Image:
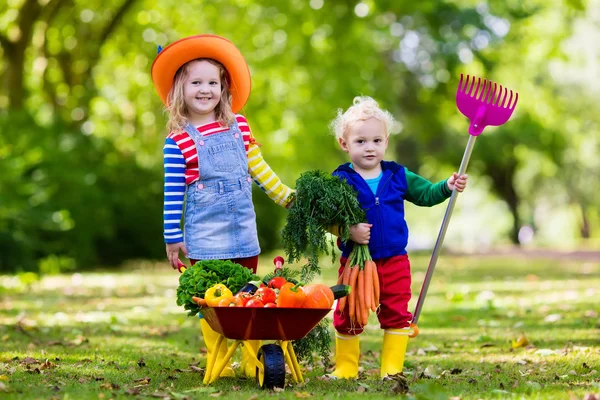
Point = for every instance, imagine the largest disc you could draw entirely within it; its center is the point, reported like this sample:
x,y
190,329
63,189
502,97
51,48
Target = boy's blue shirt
x,y
385,207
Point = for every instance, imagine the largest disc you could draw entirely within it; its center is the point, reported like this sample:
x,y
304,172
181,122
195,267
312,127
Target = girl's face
x,y
366,143
202,92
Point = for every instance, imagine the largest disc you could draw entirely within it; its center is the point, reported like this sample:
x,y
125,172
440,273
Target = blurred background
x,y
82,128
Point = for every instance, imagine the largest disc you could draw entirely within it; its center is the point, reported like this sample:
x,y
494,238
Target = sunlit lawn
x,y
120,335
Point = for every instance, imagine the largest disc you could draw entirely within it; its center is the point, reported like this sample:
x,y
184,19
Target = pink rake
x,y
485,104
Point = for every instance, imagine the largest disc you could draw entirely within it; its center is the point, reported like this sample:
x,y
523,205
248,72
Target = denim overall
x,y
220,222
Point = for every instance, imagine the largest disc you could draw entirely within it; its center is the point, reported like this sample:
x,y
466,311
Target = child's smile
x,y
202,92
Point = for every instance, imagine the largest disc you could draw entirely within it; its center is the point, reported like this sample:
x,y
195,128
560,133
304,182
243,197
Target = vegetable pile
x,y
322,202
197,279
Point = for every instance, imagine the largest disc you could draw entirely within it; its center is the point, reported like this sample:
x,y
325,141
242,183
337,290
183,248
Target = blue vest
x,y
384,209
220,222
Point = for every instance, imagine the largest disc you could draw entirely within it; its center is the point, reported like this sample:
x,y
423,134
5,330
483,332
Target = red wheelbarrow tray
x,y
241,323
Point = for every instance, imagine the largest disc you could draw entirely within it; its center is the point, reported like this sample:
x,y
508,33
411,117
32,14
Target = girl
x,y
210,158
363,132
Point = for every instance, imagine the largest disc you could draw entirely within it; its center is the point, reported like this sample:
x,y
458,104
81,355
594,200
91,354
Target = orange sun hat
x,y
172,57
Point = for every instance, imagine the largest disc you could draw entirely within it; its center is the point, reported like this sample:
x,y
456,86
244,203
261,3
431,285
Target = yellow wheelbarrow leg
x,y
212,360
292,361
223,362
252,356
288,359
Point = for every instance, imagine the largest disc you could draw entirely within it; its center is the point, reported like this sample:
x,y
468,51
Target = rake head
x,y
484,103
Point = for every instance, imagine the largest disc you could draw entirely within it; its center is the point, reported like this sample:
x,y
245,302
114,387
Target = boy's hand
x,y
173,253
457,182
360,233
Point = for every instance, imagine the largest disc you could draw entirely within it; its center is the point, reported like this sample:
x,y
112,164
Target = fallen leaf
x,y
432,372
143,381
591,396
160,395
218,394
3,387
361,389
522,341
278,389
302,395
196,369
553,318
253,397
545,352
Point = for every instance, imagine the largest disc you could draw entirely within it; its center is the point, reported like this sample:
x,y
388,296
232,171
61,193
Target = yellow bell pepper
x,y
216,293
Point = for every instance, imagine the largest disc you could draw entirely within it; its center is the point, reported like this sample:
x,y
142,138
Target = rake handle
x,y
440,239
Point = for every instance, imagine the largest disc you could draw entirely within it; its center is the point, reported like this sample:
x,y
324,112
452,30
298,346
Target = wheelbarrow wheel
x,y
271,357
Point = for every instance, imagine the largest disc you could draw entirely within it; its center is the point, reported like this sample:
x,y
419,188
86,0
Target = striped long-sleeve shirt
x,y
181,169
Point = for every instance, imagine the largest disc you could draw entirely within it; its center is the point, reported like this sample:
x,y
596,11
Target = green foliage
x,y
317,342
74,71
64,198
196,279
322,201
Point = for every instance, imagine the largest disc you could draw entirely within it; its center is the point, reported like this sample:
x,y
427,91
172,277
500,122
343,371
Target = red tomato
x,y
245,297
270,305
277,282
266,295
255,302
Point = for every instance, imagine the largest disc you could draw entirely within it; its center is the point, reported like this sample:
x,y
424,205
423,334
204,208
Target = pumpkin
x,y
318,296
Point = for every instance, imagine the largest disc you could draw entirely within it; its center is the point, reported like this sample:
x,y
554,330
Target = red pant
x,y
394,282
250,262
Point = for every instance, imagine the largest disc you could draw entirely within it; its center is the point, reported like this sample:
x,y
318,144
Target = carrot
x,y
368,284
353,294
363,315
345,278
376,287
359,299
200,301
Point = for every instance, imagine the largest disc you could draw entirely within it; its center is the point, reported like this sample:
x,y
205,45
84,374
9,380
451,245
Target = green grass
x,y
120,335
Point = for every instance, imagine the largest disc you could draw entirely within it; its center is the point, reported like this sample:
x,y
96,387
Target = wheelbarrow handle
x,y
181,266
278,261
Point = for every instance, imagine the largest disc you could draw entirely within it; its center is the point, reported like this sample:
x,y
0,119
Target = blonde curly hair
x,y
363,108
176,107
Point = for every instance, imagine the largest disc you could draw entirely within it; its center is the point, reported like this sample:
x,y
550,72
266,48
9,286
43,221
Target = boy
x,y
363,132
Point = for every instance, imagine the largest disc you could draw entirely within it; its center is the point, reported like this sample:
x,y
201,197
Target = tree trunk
x,y
502,177
584,228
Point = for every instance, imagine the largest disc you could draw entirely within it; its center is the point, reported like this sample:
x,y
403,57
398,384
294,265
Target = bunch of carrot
x,y
360,273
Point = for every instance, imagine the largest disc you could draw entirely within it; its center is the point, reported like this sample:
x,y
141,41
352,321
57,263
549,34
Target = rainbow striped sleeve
x,y
260,171
174,192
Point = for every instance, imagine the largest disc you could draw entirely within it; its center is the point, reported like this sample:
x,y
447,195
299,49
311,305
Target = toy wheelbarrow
x,y
281,324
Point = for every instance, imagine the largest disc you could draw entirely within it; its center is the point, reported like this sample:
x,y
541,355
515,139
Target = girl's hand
x,y
173,253
360,233
457,182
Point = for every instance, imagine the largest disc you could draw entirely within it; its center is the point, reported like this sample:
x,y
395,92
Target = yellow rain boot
x,y
249,360
347,351
394,348
210,339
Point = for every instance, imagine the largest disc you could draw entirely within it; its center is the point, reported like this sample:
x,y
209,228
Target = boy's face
x,y
366,143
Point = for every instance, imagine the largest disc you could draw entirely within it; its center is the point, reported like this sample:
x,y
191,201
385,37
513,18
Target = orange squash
x,y
318,296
